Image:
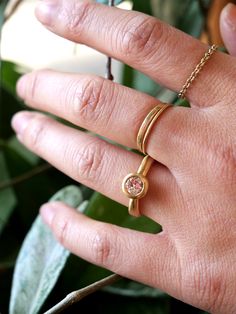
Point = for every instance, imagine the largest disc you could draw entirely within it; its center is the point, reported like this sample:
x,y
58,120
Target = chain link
x,y
196,71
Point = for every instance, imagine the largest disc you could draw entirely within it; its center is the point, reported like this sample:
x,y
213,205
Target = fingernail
x,y
21,86
46,11
47,212
230,15
20,121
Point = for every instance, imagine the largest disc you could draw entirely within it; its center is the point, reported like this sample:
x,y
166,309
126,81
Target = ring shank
x,y
147,125
145,165
134,207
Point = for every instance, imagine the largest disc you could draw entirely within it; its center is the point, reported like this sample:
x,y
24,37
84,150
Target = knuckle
x,y
104,247
33,85
140,36
211,290
88,163
60,226
75,14
218,292
35,131
205,279
88,98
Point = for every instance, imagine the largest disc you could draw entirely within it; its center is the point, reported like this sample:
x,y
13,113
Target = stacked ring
x,y
135,185
148,124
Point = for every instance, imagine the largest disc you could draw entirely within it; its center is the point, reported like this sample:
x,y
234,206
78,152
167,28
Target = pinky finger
x,y
136,255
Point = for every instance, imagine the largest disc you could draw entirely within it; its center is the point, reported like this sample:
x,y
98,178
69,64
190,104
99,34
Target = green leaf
x,y
7,196
143,6
8,106
139,81
40,261
9,103
22,151
182,103
10,75
192,21
106,210
183,14
34,191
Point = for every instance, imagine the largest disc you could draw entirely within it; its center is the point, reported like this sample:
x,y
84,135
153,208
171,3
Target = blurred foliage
x,y
45,258
20,200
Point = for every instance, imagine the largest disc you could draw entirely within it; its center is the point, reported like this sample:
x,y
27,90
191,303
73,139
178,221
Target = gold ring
x,y
197,70
147,125
135,185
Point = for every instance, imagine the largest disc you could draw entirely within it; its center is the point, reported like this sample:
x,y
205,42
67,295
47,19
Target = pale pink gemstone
x,y
134,185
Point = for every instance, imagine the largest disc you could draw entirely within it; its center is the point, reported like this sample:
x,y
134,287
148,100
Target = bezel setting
x,y
140,180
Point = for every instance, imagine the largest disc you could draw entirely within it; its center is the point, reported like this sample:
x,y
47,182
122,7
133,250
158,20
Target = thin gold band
x,y
197,70
147,125
135,185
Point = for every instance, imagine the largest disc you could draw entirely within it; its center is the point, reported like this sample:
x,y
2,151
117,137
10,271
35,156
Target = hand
x,y
192,190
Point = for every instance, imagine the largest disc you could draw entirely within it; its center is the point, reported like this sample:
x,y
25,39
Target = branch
x,y
28,175
109,75
11,9
76,296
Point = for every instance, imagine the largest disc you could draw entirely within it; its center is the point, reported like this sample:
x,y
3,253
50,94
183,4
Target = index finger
x,y
157,49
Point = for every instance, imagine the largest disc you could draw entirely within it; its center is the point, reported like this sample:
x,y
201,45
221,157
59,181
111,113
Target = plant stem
x,y
78,295
205,11
11,8
26,176
109,75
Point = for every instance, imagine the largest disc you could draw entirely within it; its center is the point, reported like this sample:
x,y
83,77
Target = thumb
x,y
228,27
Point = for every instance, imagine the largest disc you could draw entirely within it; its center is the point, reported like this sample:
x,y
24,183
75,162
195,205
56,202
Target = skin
x,y
193,182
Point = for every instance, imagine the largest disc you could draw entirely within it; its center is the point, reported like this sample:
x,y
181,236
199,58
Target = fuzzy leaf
x,y
106,1
40,261
3,5
133,289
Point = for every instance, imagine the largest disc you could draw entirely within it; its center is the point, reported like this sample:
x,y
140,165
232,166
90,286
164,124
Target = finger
x,y
123,251
97,164
228,27
145,43
107,108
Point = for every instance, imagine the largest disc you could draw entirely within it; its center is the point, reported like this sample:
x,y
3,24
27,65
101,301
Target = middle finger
x,y
113,111
97,164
